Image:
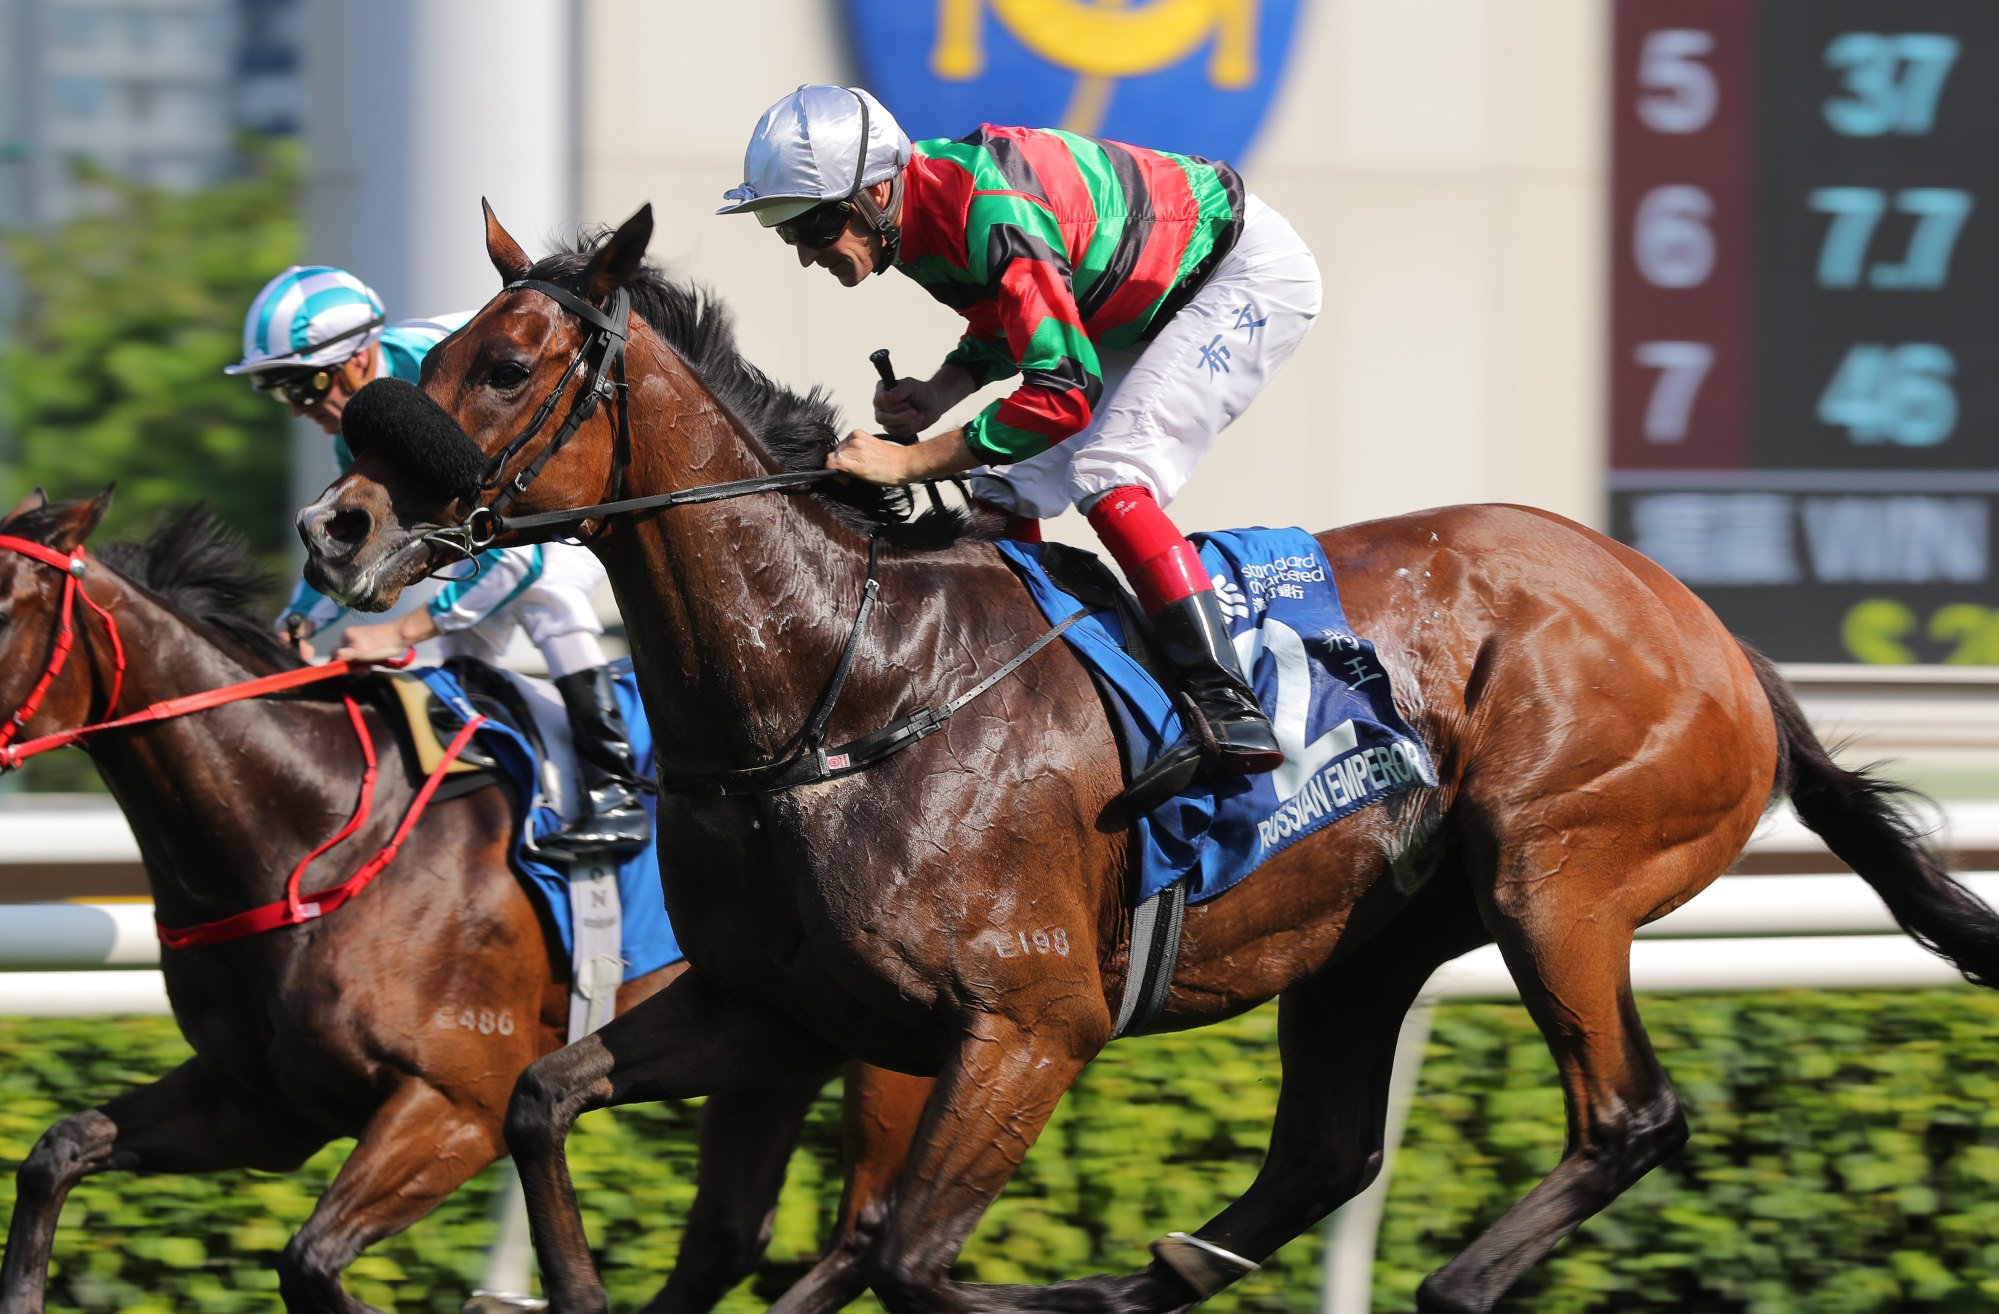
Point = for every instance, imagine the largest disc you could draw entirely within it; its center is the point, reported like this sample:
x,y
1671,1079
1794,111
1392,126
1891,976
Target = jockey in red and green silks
x,y
313,338
1143,298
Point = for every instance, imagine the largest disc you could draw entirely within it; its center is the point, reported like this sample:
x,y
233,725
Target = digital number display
x,y
1804,371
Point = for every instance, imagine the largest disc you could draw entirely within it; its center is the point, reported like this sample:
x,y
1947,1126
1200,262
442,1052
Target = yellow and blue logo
x,y
1194,76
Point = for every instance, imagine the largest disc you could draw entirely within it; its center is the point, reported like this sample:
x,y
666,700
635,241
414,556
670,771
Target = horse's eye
x,y
507,375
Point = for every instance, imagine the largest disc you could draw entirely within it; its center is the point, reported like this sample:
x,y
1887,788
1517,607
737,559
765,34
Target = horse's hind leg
x,y
689,1039
1337,1033
746,1141
1570,954
181,1123
882,1112
417,1148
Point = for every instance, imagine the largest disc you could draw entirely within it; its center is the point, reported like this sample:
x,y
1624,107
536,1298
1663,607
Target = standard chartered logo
x,y
1105,40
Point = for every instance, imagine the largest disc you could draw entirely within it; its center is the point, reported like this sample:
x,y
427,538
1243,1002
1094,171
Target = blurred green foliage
x,y
1845,1161
114,371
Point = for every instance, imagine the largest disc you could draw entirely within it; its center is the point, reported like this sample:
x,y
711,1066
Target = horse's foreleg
x,y
883,1110
990,1103
747,1138
689,1039
417,1148
1573,967
180,1123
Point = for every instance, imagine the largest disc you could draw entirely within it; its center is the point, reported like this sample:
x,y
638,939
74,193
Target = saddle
x,y
1084,576
430,724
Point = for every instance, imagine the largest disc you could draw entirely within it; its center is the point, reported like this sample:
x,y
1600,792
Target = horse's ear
x,y
34,501
502,249
614,263
75,522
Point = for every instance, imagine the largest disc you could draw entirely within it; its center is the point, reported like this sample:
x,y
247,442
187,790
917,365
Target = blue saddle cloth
x,y
648,940
1325,690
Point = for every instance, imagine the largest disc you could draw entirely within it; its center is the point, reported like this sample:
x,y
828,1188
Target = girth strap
x,y
1155,952
816,763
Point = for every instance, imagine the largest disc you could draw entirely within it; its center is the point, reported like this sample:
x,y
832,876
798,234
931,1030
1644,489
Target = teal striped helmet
x,y
307,316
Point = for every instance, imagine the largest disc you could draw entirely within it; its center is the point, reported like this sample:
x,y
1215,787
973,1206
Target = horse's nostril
x,y
335,534
349,527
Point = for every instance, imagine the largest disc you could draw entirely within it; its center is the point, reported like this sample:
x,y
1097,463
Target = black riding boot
x,y
614,819
1232,733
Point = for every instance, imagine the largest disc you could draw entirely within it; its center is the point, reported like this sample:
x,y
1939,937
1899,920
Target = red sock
x,y
1161,564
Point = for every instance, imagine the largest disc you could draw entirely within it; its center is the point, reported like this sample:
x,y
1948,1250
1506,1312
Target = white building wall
x,y
1444,158
416,109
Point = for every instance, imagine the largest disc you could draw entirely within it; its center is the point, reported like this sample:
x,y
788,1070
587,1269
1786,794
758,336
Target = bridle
x,y
813,760
73,566
606,342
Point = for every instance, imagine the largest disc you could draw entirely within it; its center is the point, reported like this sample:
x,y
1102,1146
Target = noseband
x,y
73,567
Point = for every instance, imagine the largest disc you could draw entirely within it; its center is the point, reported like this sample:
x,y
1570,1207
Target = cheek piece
x,y
399,421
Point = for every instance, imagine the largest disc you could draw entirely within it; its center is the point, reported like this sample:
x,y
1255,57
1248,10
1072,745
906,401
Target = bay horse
x,y
351,1025
1604,749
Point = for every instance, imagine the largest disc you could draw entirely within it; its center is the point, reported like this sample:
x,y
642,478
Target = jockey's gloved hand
x,y
905,407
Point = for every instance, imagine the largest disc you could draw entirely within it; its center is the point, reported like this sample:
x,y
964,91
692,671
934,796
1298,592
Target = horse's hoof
x,y
497,1302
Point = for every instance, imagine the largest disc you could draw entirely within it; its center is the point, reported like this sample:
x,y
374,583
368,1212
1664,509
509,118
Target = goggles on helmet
x,y
304,389
817,227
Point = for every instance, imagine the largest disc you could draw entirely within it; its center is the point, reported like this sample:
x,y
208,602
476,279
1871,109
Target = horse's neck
x,y
224,801
736,613
738,610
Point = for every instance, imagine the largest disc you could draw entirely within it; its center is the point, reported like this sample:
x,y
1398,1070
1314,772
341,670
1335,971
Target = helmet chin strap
x,y
883,222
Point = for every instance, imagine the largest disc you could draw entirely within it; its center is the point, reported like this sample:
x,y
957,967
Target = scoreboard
x,y
1804,371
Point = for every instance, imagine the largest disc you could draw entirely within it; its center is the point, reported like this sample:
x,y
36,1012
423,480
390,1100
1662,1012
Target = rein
x,y
813,761
294,907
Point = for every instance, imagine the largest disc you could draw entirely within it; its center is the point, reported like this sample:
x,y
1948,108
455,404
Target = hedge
x,y
1844,1161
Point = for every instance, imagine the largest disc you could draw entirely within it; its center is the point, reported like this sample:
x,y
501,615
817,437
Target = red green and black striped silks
x,y
1053,245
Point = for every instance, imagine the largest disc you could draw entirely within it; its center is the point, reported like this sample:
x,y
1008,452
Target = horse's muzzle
x,y
333,535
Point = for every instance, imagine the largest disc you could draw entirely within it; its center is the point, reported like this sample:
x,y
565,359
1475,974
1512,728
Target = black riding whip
x,y
887,373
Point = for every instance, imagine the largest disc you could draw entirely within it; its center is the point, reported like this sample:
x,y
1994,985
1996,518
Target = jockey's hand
x,y
878,461
908,406
296,625
387,641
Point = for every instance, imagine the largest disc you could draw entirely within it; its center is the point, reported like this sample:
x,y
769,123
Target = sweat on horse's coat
x,y
1603,748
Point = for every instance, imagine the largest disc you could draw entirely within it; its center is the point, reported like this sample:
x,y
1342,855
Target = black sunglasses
x,y
819,226
304,389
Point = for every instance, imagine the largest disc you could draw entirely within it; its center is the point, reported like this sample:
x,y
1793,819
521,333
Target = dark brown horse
x,y
352,1025
1605,748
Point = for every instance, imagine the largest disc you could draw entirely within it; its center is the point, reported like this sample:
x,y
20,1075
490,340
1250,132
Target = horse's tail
x,y
1871,825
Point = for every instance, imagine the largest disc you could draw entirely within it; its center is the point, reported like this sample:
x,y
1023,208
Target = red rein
x,y
294,907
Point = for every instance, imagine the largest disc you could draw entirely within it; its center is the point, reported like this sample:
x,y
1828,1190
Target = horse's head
x,y
517,413
42,572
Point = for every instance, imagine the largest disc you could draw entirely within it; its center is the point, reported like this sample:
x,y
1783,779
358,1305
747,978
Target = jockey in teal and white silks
x,y
313,338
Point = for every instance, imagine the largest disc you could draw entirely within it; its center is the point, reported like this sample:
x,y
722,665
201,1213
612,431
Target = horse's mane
x,y
203,568
797,430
